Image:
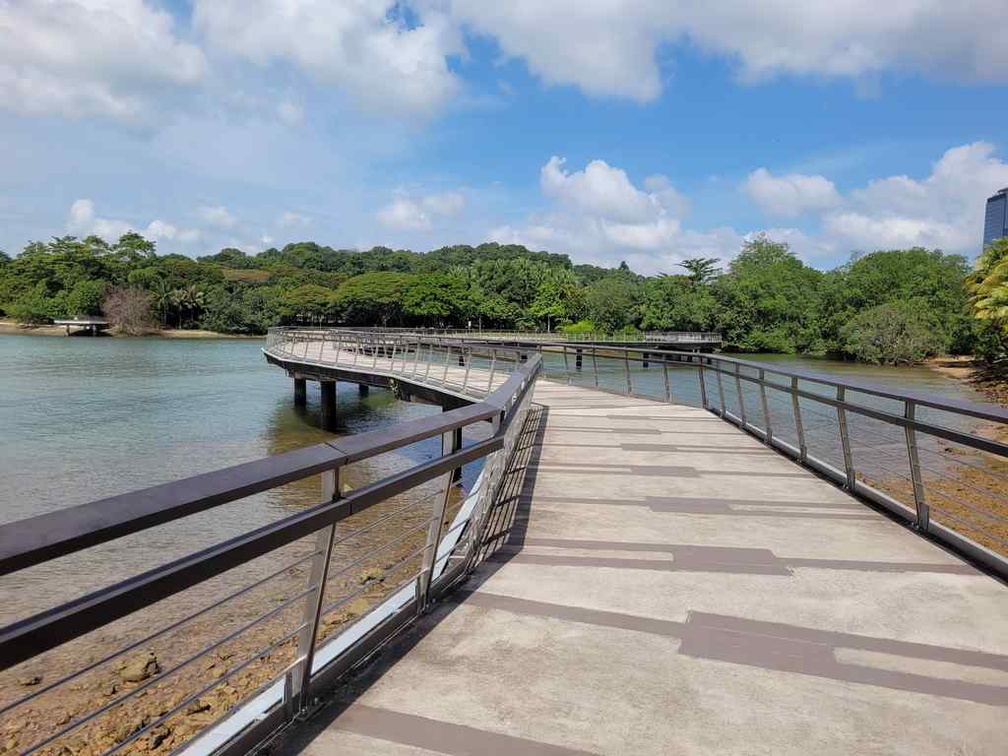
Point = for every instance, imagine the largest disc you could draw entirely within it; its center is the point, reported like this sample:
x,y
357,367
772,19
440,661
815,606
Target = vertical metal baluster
x,y
668,385
493,367
297,683
339,346
741,398
468,366
374,348
595,366
720,390
440,504
447,357
845,440
923,511
430,359
766,408
703,385
626,370
567,374
799,428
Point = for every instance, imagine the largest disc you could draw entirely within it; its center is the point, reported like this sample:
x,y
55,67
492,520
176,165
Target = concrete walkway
x,y
671,586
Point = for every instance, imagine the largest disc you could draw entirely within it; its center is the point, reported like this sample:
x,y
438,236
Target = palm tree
x,y
161,298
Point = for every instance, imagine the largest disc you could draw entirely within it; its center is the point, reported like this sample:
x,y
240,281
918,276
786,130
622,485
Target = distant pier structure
x,y
92,324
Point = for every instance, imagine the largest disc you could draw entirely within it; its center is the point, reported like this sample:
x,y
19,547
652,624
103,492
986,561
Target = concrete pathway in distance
x,y
671,586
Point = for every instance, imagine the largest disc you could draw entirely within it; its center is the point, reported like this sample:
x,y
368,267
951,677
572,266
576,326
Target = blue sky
x,y
639,130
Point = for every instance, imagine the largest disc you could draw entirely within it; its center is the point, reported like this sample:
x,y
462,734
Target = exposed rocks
x,y
30,681
140,669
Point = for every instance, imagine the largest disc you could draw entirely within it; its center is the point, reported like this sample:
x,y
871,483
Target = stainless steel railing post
x,y
668,386
845,440
799,427
703,385
741,399
297,682
595,366
626,370
768,426
923,511
720,390
493,367
449,444
567,374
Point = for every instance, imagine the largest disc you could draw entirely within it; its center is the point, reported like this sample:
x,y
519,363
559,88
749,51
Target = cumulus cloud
x,y
611,47
91,57
943,210
217,215
599,214
408,213
364,47
790,195
82,221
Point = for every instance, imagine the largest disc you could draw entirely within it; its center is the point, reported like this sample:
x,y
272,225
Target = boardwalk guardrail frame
x,y
935,463
446,555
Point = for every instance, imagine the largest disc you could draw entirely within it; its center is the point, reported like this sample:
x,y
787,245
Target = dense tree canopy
x,y
888,306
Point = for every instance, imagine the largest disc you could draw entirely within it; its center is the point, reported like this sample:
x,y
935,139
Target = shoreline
x,y
10,327
969,370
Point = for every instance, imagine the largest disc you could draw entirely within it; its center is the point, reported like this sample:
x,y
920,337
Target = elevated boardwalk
x,y
671,585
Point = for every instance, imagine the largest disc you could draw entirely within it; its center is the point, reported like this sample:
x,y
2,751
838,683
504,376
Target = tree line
x,y
894,306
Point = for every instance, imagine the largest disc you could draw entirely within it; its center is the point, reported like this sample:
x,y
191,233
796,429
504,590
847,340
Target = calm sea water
x,y
82,418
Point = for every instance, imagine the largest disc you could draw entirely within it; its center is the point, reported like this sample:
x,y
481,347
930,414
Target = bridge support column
x,y
645,360
328,389
362,389
300,392
577,359
523,357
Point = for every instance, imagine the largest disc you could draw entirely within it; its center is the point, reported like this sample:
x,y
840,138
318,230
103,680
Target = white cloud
x,y
944,210
91,57
612,47
364,47
598,213
82,221
408,213
790,195
288,219
217,215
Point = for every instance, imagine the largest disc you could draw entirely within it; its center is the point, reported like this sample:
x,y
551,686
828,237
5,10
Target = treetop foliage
x,y
888,306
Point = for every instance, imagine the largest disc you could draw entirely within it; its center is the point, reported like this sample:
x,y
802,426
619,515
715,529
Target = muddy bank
x,y
13,327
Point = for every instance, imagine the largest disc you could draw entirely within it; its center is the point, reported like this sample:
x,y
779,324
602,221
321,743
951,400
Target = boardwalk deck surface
x,y
671,586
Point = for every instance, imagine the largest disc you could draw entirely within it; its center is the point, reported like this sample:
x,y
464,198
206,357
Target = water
x,y
82,419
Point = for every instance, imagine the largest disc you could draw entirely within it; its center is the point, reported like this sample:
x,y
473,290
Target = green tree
x,y
86,298
373,298
702,270
895,333
611,304
988,289
309,301
768,300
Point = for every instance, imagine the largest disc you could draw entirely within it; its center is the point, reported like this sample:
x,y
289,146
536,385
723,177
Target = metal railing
x,y
601,337
939,464
322,589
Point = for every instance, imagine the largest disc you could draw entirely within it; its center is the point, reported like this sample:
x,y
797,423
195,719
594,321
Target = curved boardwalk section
x,y
670,585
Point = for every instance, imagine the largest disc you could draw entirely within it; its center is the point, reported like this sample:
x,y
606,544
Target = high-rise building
x,y
996,219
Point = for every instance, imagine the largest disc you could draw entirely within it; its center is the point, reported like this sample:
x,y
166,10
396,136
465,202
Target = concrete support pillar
x,y
362,389
328,390
461,360
577,359
300,392
645,360
523,357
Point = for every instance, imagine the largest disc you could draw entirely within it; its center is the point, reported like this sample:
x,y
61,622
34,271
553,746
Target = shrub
x,y
890,334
